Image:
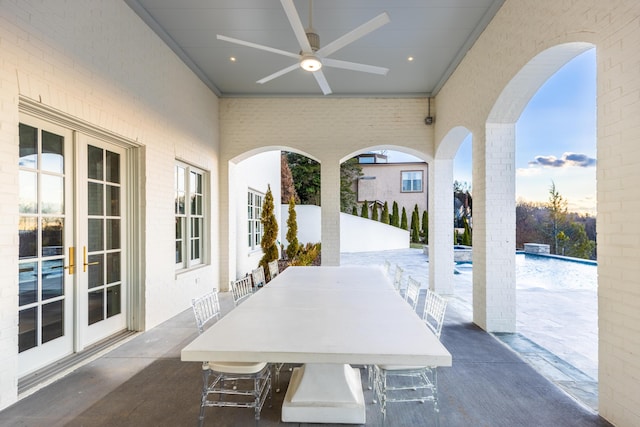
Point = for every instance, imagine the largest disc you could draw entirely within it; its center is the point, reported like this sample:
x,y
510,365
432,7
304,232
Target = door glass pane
x,y
95,199
52,237
95,163
113,267
27,324
113,167
52,320
96,276
28,147
96,242
113,234
52,152
96,306
52,278
113,300
196,204
52,194
28,233
28,201
113,200
28,287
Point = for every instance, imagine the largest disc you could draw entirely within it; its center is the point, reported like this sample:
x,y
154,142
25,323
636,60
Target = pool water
x,y
535,271
557,305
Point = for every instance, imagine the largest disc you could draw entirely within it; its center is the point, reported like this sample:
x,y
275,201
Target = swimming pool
x,y
547,272
556,303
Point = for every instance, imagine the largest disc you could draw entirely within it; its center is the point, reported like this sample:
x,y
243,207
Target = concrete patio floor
x,y
142,382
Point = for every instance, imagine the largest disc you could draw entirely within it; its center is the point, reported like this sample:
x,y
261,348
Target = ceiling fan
x,y
312,57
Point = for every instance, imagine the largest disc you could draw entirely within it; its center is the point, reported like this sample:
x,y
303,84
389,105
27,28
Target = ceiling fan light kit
x,y
310,63
312,57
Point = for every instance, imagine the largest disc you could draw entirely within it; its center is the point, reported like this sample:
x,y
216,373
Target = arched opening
x,y
557,301
250,176
544,316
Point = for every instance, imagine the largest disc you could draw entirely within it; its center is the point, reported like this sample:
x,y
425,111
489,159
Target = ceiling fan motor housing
x,y
314,40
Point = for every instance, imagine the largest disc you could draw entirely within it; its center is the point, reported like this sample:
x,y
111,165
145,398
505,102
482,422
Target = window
x,y
411,181
189,210
254,206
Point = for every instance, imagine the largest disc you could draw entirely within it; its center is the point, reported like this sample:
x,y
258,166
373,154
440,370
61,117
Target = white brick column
x,y
227,244
441,226
330,211
494,283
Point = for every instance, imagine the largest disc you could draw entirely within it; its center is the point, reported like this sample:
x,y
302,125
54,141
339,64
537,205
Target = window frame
x,y
254,219
411,190
190,206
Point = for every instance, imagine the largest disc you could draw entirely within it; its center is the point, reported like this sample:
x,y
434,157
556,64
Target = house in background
x,y
405,183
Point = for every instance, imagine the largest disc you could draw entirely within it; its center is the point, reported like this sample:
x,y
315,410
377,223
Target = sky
x,y
555,140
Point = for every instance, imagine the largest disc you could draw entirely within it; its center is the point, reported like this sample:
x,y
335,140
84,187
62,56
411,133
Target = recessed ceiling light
x,y
410,58
232,59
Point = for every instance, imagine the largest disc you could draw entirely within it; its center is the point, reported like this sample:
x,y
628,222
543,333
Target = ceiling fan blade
x,y
278,73
322,82
336,63
354,35
296,24
258,46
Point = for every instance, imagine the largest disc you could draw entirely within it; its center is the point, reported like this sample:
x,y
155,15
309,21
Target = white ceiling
x,y
437,33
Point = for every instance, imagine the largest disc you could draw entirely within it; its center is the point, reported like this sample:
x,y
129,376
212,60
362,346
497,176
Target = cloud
x,y
567,160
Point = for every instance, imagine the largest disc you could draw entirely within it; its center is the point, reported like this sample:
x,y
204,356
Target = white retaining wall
x,y
356,234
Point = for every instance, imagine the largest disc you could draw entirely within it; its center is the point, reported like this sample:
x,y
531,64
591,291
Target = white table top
x,y
322,315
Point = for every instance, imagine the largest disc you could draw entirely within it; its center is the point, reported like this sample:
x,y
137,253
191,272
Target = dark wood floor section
x,y
488,385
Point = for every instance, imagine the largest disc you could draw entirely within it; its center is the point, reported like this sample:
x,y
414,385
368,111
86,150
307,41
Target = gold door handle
x,y
84,260
72,260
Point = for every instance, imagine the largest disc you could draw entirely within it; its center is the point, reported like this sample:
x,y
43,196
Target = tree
x,y
374,211
415,236
270,230
403,220
466,236
425,227
306,178
395,215
364,213
287,186
557,206
385,214
292,230
350,171
354,210
415,225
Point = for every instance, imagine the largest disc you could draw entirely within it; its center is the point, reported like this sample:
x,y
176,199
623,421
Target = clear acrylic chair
x,y
398,383
397,278
257,274
387,266
274,270
412,293
241,290
229,384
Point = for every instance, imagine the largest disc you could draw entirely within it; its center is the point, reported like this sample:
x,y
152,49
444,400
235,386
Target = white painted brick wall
x,y
329,130
521,30
96,61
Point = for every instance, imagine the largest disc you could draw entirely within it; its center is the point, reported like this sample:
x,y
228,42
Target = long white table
x,y
325,318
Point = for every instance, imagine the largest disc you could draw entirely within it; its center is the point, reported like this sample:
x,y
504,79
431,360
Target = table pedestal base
x,y
324,393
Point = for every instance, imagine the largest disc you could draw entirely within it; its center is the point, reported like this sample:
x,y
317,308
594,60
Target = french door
x,y
72,269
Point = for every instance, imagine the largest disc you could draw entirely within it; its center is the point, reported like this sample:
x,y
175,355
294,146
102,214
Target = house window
x,y
190,214
254,214
411,181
